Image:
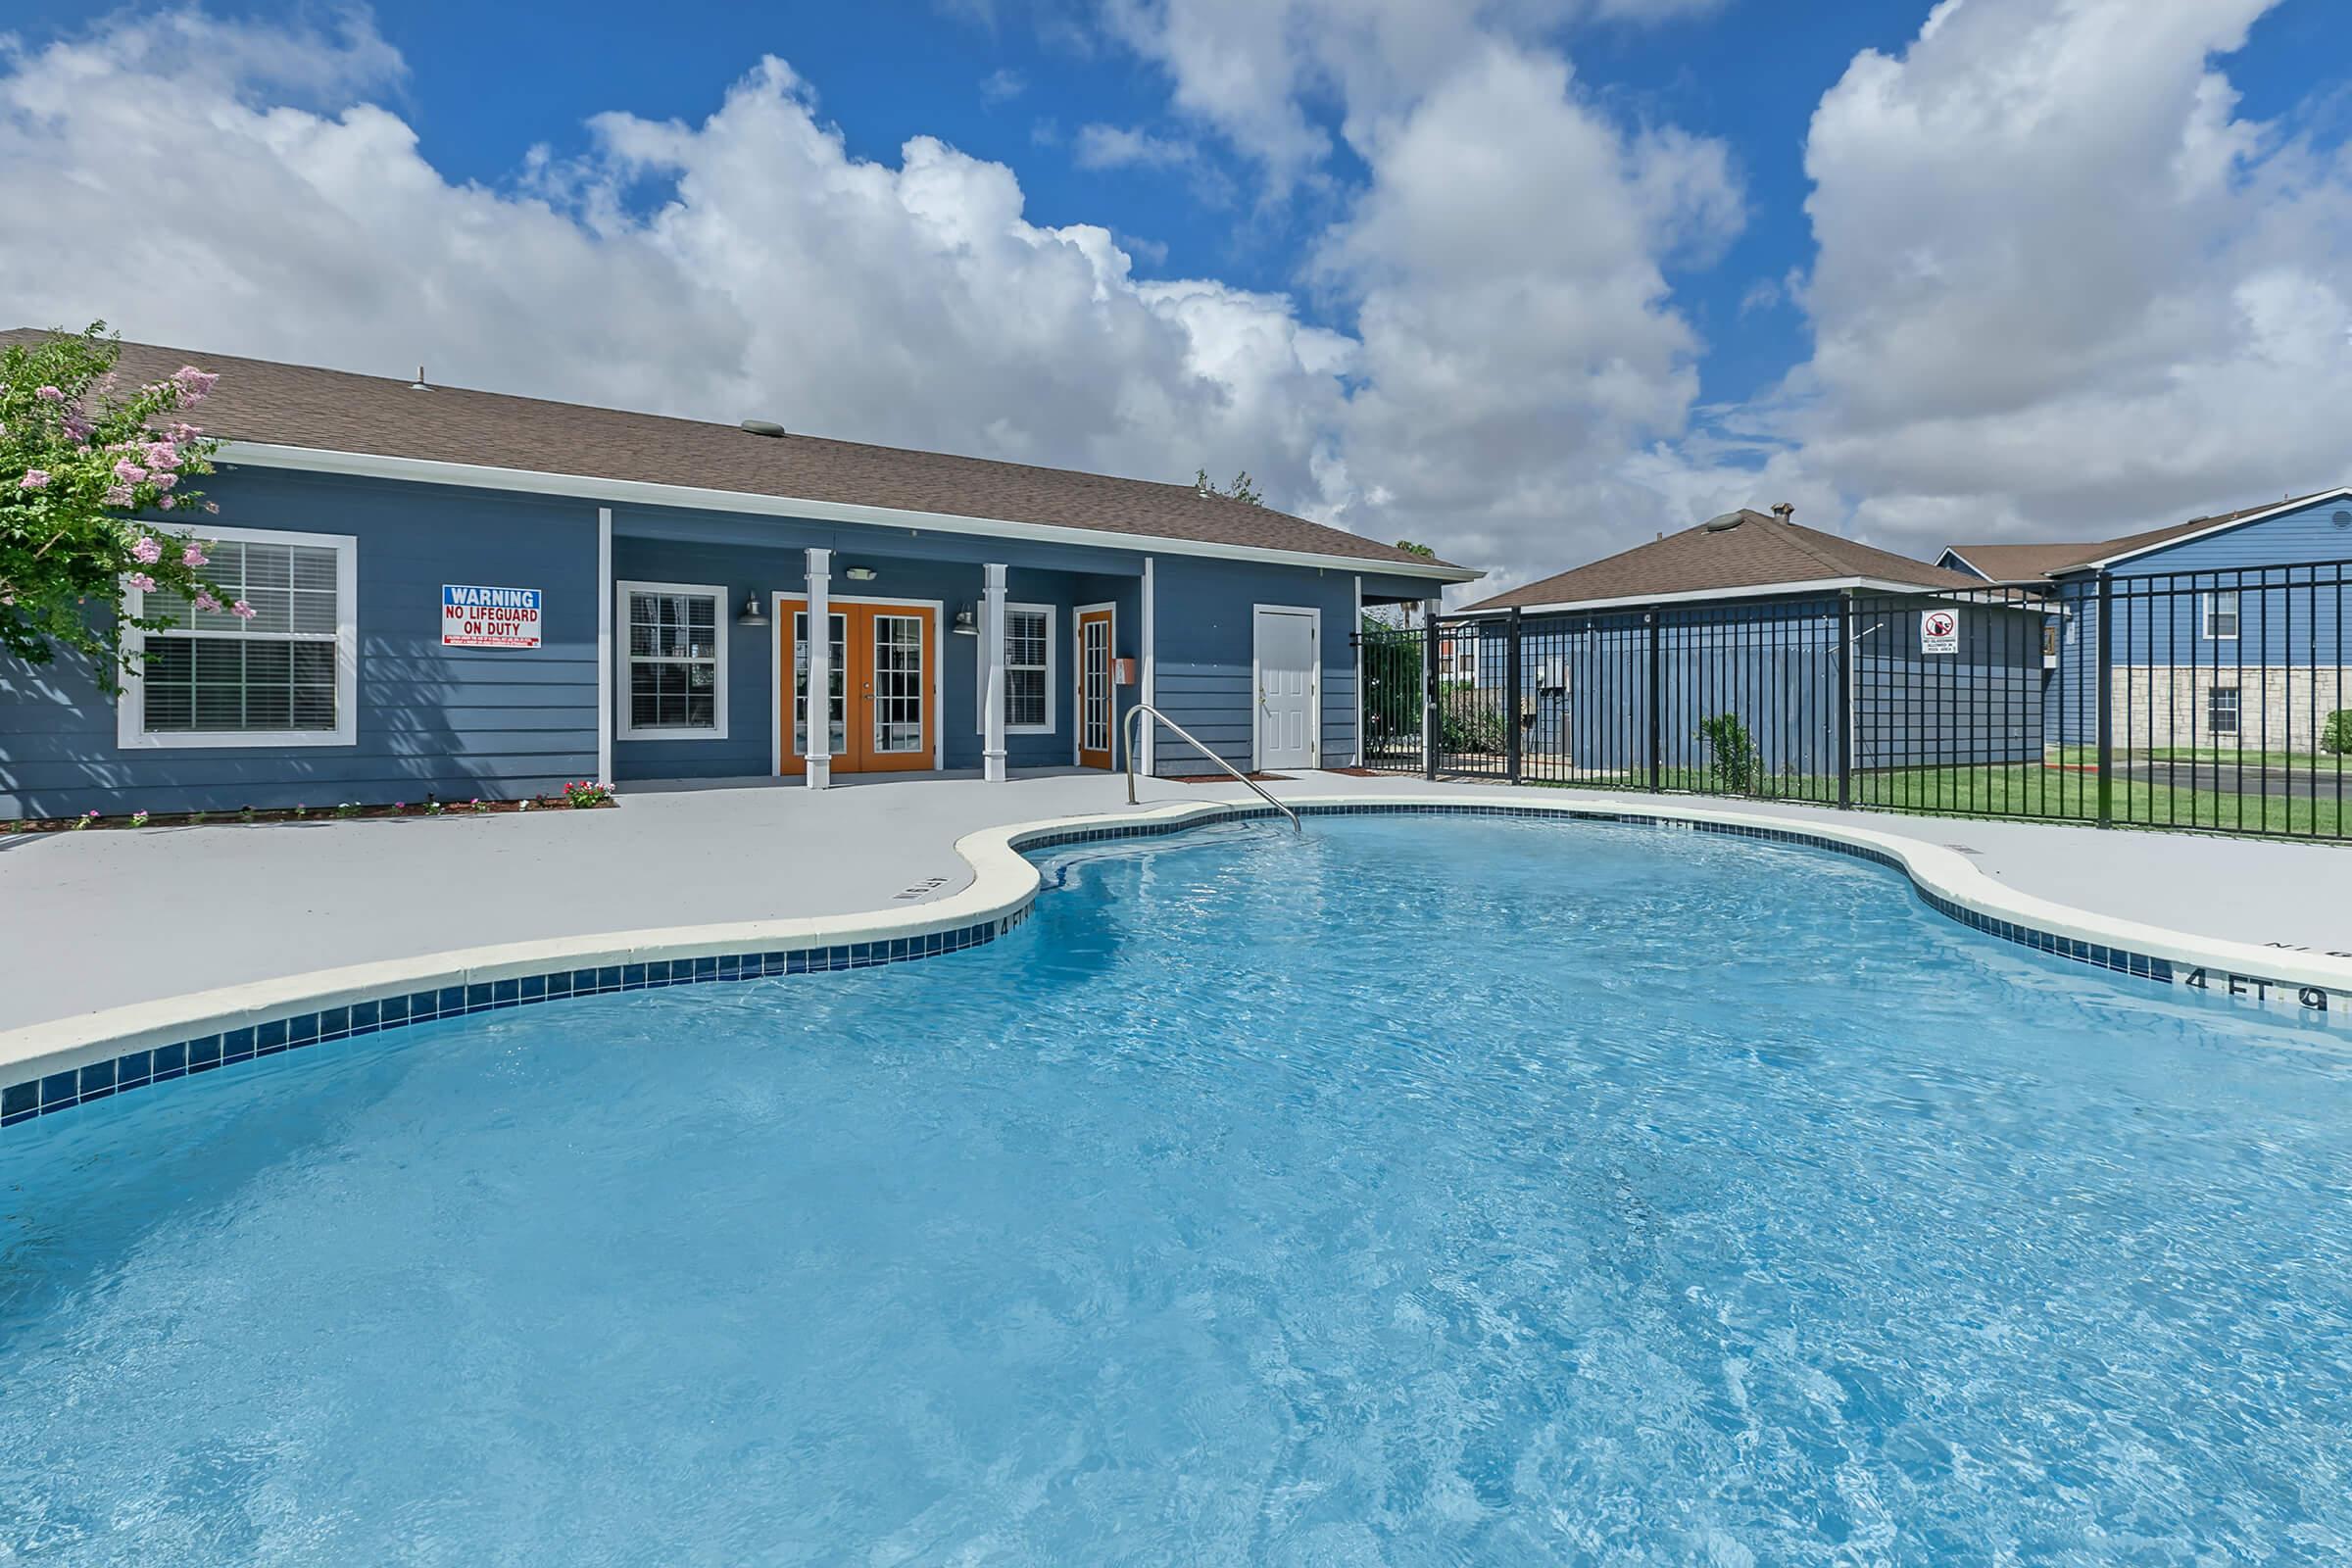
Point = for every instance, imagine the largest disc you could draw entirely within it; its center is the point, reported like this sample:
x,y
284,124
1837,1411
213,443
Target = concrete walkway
x,y
95,921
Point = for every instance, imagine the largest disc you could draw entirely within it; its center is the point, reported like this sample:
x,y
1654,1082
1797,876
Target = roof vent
x,y
1724,523
762,427
419,385
1785,510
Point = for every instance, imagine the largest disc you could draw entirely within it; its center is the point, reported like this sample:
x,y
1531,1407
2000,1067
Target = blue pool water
x,y
1413,1192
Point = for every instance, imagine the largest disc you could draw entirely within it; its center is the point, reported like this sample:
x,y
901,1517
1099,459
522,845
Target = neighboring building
x,y
1747,609
465,594
2229,629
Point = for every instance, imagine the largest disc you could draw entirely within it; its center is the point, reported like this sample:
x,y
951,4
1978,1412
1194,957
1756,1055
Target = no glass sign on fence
x,y
1939,631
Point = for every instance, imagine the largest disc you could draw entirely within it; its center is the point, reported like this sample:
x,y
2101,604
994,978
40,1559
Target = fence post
x,y
1514,669
2106,717
1657,672
1845,699
1431,727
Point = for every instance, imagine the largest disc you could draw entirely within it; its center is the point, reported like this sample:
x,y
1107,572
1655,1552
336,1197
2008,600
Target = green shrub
x,y
1734,765
2336,738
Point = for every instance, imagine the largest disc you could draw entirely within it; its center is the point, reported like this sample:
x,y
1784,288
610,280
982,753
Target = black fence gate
x,y
2212,700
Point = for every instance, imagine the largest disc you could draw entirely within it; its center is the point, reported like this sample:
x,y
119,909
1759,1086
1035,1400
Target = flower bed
x,y
580,797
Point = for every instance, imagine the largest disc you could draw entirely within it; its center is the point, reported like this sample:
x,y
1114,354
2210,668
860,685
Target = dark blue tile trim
x,y
22,1101
153,1065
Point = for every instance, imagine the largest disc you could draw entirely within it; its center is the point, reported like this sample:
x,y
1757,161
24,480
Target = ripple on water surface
x,y
1476,1190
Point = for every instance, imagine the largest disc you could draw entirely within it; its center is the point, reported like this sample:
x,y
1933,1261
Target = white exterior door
x,y
1287,721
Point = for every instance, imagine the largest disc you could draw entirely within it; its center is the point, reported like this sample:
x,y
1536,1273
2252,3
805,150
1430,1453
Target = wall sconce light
x,y
862,573
752,615
967,622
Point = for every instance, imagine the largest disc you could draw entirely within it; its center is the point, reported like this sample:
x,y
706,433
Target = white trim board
x,y
721,633
1315,684
778,627
2093,562
130,708
1770,590
1052,673
429,470
1111,650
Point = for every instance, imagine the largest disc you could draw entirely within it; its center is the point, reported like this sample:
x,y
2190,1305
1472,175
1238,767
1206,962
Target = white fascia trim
x,y
2320,500
720,630
130,708
1774,590
430,471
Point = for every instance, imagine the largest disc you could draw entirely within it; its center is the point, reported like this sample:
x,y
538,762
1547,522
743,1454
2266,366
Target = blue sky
x,y
1668,403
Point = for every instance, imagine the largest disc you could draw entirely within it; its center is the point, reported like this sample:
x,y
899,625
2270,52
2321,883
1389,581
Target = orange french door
x,y
1097,712
880,717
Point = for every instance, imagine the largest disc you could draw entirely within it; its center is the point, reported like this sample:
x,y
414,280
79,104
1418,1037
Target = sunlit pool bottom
x,y
1412,1191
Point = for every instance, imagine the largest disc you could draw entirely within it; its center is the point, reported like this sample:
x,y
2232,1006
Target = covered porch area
x,y
942,653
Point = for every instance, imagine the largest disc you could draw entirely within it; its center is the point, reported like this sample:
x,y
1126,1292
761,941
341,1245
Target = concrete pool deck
x,y
99,920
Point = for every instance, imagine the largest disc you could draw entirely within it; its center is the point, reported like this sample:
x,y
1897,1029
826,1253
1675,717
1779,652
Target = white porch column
x,y
604,644
821,668
1147,689
991,675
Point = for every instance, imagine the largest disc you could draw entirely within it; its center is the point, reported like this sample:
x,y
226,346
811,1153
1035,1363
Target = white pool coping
x,y
2315,987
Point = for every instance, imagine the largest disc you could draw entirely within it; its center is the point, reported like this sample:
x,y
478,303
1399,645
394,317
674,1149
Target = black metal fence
x,y
2212,699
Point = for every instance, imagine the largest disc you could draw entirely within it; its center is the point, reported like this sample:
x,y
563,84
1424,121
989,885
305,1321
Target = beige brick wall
x,y
2280,708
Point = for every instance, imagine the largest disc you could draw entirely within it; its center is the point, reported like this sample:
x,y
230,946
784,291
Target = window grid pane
x,y
673,660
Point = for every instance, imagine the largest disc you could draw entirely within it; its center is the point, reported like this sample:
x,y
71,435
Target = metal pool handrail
x,y
1131,733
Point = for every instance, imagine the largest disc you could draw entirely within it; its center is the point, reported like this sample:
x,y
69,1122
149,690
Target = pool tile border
x,y
47,1093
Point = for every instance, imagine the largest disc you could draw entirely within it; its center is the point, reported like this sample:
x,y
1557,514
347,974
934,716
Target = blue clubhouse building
x,y
463,594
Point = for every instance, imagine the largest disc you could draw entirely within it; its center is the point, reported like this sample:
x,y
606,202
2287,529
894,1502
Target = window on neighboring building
x,y
2220,615
1028,672
2221,711
289,676
673,653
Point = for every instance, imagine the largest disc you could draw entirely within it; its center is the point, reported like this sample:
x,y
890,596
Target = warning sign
x,y
489,618
1939,631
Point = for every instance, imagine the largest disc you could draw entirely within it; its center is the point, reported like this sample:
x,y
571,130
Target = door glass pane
x,y
1094,712
897,684
839,684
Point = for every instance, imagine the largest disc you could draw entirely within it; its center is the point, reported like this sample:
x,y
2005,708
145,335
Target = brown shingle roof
x,y
2039,561
2021,562
300,406
1761,552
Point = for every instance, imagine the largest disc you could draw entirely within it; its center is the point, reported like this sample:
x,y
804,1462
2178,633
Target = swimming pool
x,y
1412,1191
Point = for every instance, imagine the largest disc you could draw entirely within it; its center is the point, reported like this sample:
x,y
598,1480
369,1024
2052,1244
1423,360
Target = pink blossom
x,y
128,471
147,552
162,454
164,481
118,495
193,556
241,609
141,581
194,382
167,502
205,600
181,430
35,479
48,394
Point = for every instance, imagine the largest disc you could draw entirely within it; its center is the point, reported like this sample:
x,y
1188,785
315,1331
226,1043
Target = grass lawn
x,y
2300,761
2030,791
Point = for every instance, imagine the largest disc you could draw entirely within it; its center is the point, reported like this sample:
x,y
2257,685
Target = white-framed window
x,y
1029,665
2220,614
673,660
2221,711
290,676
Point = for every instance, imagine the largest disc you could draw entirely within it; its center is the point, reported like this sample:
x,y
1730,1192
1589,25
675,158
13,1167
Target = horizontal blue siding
x,y
1207,627
453,723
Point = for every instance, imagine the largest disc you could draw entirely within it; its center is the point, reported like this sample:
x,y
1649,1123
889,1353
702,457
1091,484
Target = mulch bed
x,y
421,811
1354,772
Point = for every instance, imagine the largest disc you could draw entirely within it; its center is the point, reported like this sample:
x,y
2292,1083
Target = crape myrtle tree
x,y
86,465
